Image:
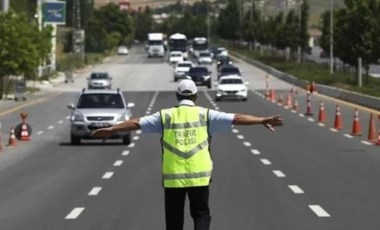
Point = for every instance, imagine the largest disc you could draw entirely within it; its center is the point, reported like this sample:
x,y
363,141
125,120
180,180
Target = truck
x,y
156,45
178,42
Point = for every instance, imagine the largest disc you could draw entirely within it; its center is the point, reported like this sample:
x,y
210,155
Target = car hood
x,y
232,87
101,112
182,69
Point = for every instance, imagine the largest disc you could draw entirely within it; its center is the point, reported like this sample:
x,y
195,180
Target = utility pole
x,y
331,37
5,5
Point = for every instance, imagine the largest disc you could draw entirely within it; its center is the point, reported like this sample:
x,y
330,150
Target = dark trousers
x,y
175,205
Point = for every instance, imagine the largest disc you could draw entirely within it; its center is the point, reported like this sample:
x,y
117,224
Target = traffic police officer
x,y
187,165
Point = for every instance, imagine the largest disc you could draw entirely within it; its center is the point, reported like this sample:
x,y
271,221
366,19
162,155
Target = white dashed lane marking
x,y
255,151
334,130
278,173
107,175
240,136
68,117
265,161
296,189
247,144
125,153
118,163
348,135
235,131
310,119
50,127
319,211
138,132
366,142
40,132
301,115
131,145
321,124
95,191
136,138
75,213
60,122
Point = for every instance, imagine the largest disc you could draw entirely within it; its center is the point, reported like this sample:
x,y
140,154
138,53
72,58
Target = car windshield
x,y
184,65
175,54
205,55
230,71
101,100
199,70
231,81
99,76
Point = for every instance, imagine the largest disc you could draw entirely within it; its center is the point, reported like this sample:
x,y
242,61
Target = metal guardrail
x,y
357,98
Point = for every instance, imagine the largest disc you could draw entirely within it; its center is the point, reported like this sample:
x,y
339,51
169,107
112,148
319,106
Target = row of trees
x,y
23,47
356,33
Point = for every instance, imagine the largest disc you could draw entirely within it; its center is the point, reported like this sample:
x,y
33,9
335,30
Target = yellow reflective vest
x,y
185,144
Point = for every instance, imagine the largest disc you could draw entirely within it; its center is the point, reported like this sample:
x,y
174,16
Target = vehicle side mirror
x,y
71,106
130,105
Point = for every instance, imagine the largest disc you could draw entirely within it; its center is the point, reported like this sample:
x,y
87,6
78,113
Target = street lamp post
x,y
331,37
5,5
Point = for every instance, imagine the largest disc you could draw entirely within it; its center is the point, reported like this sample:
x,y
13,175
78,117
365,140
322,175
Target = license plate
x,y
99,124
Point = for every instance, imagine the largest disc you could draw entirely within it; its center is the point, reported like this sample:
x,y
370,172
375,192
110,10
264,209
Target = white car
x,y
122,50
205,57
181,69
231,87
174,57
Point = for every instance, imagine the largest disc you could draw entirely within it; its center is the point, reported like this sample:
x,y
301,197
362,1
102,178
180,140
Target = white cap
x,y
187,87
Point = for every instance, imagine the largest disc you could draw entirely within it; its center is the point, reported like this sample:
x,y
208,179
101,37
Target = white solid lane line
x,y
118,163
255,151
40,132
296,189
107,175
278,173
319,211
75,213
125,153
246,143
265,161
95,191
50,127
235,130
136,138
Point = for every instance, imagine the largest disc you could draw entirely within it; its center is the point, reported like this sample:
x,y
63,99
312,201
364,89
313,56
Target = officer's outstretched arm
x,y
126,126
268,122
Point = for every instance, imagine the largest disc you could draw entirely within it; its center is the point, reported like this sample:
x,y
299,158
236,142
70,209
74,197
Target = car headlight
x,y
206,77
242,90
77,116
122,117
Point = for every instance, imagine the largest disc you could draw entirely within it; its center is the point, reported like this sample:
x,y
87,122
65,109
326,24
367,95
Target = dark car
x,y
223,60
226,70
200,75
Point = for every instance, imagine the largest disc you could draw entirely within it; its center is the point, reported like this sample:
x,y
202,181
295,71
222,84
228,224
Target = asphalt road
x,y
303,176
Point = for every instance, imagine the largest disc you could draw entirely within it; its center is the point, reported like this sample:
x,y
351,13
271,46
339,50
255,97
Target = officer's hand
x,y
104,133
270,122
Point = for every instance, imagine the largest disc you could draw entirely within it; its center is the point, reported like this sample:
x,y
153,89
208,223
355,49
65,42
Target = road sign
x,y
54,12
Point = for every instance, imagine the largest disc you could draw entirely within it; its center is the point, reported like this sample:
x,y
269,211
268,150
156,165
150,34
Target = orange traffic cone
x,y
289,101
12,139
279,101
372,129
308,102
24,133
338,123
313,87
322,113
272,95
356,126
295,105
378,139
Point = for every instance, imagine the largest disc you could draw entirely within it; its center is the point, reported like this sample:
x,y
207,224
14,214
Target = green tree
x,y
22,46
229,25
143,23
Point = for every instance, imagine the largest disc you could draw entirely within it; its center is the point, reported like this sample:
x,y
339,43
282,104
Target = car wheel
x,y
75,140
175,79
208,85
127,139
244,99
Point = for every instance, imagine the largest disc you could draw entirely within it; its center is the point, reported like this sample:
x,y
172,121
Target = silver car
x,y
99,80
96,109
